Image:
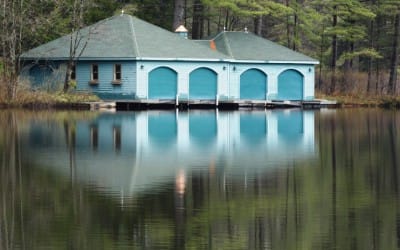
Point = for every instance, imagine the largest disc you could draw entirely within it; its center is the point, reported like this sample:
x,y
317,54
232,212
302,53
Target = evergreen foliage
x,y
347,36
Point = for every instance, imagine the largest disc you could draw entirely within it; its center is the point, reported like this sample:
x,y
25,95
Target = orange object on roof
x,y
212,45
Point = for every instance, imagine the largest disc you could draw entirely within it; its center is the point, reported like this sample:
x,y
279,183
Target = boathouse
x,y
124,57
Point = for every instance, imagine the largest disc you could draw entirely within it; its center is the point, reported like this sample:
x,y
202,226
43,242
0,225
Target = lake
x,y
200,179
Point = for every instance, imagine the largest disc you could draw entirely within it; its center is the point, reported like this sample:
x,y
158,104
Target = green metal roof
x,y
125,37
249,47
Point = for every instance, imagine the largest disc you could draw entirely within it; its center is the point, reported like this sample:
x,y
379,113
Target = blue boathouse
x,y
124,57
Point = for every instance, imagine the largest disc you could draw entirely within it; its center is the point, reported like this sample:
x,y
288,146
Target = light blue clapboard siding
x,y
105,87
194,80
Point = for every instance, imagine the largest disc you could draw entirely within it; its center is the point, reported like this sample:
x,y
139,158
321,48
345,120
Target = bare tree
x,y
78,40
12,23
394,62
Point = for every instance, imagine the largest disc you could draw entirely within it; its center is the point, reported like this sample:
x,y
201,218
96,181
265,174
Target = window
x,y
95,72
117,72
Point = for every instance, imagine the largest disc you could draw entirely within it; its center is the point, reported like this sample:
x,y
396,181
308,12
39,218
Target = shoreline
x,y
75,101
103,105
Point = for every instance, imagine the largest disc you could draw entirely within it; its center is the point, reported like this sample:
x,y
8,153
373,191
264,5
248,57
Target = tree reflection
x,y
11,209
347,199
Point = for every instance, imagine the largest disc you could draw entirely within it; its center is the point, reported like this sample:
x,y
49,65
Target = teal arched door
x,y
290,85
253,85
162,83
202,84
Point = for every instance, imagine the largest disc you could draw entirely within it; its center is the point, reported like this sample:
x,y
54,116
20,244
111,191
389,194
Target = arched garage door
x,y
202,84
253,85
290,85
162,83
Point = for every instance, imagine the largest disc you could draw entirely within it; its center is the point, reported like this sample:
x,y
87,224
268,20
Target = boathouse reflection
x,y
133,152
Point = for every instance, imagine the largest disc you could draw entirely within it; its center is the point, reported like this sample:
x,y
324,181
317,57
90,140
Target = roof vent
x,y
182,31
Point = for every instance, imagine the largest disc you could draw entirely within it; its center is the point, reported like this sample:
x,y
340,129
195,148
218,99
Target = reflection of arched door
x,y
253,85
203,84
290,126
290,85
253,127
203,127
162,128
162,83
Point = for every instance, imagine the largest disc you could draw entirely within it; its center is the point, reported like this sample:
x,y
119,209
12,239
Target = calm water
x,y
200,180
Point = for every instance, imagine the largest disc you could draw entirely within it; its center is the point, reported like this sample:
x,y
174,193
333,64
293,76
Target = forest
x,y
356,41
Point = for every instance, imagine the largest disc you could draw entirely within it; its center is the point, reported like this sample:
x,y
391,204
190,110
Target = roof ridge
x,y
228,46
136,45
219,34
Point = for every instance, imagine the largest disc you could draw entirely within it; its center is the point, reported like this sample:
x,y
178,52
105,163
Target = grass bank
x,y
362,100
26,98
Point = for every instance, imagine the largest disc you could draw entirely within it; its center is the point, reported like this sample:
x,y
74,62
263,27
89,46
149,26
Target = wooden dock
x,y
223,105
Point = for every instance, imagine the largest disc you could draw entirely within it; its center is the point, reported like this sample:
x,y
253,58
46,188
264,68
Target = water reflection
x,y
329,180
131,152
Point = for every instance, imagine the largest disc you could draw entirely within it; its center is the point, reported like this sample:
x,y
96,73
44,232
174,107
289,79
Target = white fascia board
x,y
274,62
79,59
294,62
169,59
181,59
107,59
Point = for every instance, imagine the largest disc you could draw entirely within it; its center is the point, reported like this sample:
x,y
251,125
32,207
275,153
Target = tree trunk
x,y
78,42
334,53
226,19
258,25
370,60
12,21
394,62
197,24
287,26
379,23
179,13
295,29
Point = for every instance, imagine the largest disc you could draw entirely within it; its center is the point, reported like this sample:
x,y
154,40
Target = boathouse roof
x,y
125,37
246,46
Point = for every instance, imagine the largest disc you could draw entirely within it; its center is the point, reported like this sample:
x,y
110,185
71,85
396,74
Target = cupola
x,y
182,31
